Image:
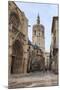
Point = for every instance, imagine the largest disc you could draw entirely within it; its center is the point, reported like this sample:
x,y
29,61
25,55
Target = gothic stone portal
x,y
16,57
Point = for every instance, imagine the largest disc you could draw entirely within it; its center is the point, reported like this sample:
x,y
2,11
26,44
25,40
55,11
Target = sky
x,y
46,13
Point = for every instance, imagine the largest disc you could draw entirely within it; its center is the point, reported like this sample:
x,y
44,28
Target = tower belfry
x,y
38,34
38,19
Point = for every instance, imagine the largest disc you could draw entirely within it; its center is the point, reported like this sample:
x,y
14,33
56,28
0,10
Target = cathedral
x,y
24,56
37,48
18,40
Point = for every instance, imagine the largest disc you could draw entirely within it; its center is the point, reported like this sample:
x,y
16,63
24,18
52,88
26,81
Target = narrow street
x,y
33,45
36,79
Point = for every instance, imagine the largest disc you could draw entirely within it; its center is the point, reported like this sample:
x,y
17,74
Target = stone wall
x,y
18,31
54,45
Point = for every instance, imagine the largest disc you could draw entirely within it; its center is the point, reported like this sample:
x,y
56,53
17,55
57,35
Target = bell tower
x,y
38,34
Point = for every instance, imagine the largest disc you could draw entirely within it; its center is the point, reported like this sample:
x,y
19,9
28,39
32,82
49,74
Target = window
x,y
29,47
34,32
37,51
39,34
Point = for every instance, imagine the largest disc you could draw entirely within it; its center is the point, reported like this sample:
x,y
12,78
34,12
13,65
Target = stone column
x,y
9,55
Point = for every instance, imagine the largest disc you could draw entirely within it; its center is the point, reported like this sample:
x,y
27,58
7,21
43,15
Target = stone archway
x,y
17,57
35,65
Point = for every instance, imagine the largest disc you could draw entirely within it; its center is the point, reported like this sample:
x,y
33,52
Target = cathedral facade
x,y
24,56
18,40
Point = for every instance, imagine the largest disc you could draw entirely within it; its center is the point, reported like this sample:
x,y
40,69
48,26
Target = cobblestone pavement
x,y
36,79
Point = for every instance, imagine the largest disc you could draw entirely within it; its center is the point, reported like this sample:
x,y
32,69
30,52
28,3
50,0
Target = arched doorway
x,y
17,57
35,65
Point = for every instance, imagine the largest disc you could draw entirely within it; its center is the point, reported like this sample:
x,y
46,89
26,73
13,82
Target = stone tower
x,y
38,37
